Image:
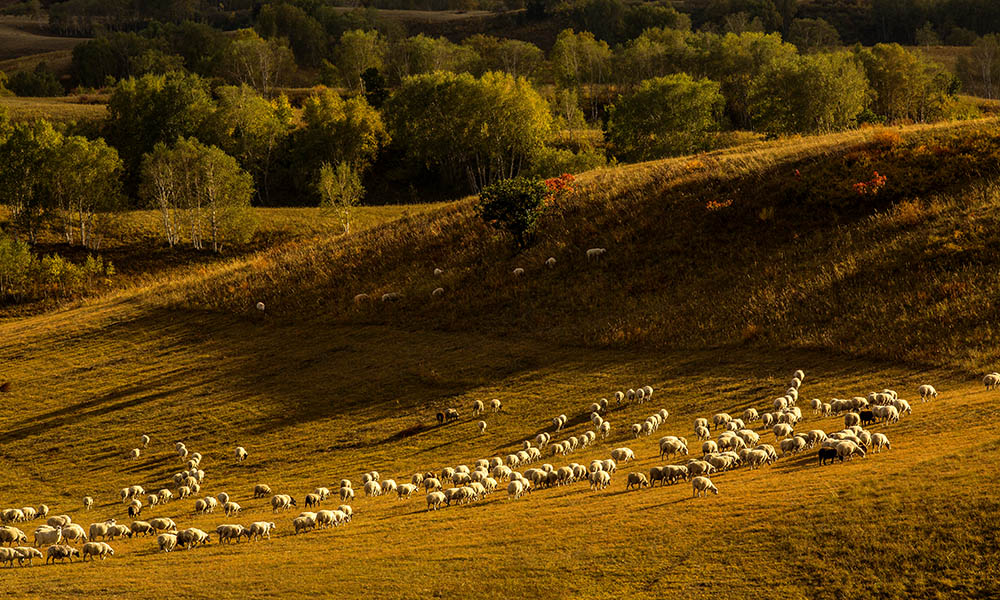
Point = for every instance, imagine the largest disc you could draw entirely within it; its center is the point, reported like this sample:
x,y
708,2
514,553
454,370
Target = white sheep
x,y
595,253
622,455
437,292
435,500
518,272
361,298
926,392
517,488
477,407
261,529
481,426
550,262
192,537
880,441
438,272
605,429
703,485
46,535
495,405
373,489
991,381
241,454
95,549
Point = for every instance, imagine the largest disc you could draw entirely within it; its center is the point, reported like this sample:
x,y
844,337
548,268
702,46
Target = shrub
x,y
514,206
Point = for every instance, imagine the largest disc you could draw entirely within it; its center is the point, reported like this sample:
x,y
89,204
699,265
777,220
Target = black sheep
x,y
867,417
827,454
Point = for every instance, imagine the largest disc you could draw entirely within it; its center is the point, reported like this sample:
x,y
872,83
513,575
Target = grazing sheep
x,y
880,441
373,489
361,298
283,502
477,407
636,479
60,553
228,532
303,524
595,253
517,488
241,454
622,454
481,426
163,524
782,429
991,381
391,297
191,537
261,529
88,502
709,447
827,454
721,419
848,449
437,292
117,531
599,480
231,508
261,490
134,454
404,491
94,549
12,535
45,534
25,553
438,272
166,542
550,262
927,392
434,500
518,272
141,527
703,485
495,405
100,530
604,428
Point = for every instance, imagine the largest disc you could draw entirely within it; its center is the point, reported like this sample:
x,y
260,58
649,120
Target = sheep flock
x,y
697,453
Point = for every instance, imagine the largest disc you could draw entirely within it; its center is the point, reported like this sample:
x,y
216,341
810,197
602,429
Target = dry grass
x,y
316,404
61,108
16,42
57,60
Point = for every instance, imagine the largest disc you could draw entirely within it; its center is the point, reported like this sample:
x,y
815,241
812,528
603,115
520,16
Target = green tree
x,y
905,85
811,34
338,130
41,81
817,92
200,191
340,190
261,64
24,154
155,108
83,187
481,129
980,69
514,206
357,52
736,61
665,116
517,58
252,129
578,60
305,35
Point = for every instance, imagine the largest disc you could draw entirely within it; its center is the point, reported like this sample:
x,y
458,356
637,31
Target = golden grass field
x,y
59,108
318,390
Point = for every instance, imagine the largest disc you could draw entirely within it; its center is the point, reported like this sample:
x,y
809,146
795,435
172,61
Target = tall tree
x,y
261,64
479,129
201,192
665,116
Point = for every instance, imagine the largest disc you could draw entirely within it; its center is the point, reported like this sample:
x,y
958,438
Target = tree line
x,y
201,152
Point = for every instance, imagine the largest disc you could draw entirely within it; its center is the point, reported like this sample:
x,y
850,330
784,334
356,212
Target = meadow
x,y
725,272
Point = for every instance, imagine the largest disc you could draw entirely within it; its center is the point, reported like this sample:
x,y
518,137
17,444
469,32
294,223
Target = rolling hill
x,y
724,273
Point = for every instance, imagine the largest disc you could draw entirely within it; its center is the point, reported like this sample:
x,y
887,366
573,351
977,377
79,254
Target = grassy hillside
x,y
318,389
16,40
768,244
